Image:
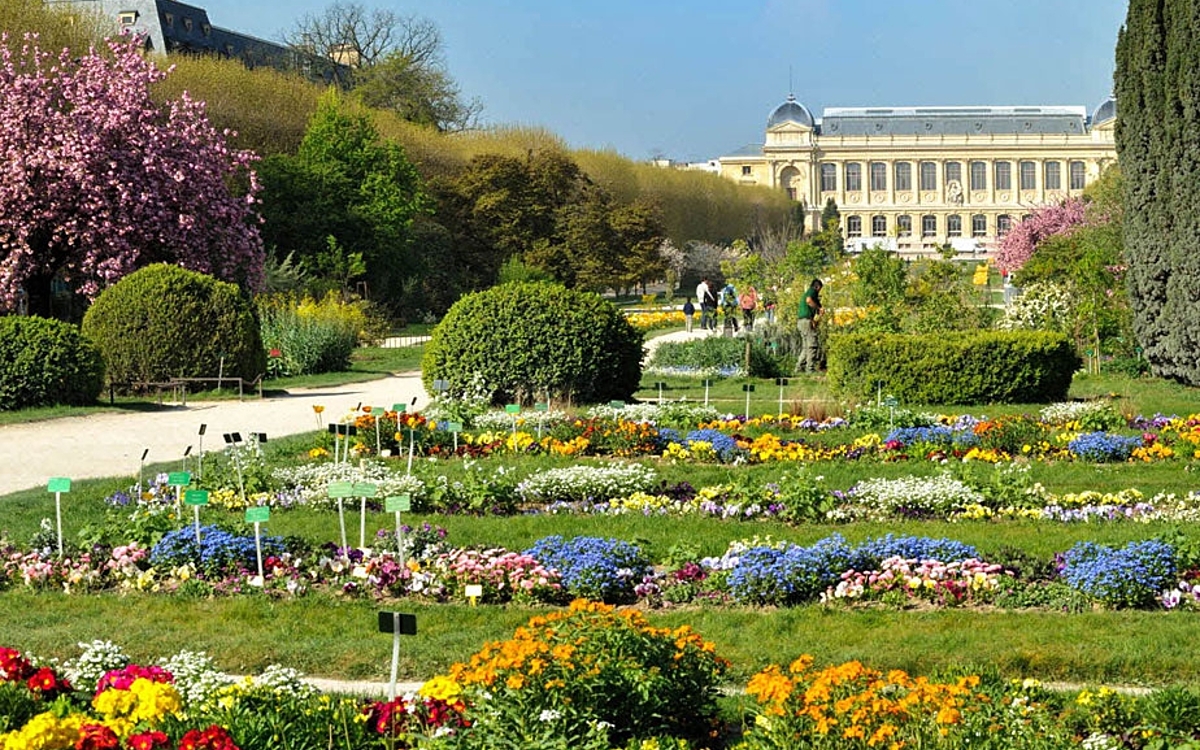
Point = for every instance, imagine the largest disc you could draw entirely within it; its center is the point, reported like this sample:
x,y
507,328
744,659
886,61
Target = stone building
x,y
174,28
914,178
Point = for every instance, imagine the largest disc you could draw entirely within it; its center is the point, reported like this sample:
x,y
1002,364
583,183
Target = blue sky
x,y
693,79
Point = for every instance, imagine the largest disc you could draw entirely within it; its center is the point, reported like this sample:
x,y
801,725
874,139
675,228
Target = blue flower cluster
x,y
869,554
592,567
219,551
794,574
724,445
938,435
1130,576
1103,446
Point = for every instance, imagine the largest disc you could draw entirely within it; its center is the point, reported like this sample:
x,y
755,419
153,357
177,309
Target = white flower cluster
x,y
1043,306
932,496
283,680
670,412
196,677
591,483
97,658
313,480
500,421
1077,411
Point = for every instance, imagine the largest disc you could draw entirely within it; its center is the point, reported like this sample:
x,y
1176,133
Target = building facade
x,y
915,178
174,28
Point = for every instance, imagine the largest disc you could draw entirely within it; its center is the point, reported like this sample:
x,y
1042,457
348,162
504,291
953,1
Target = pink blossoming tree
x,y
1061,219
97,179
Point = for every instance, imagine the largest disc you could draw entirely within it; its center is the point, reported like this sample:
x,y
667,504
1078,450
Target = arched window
x,y
1078,175
979,225
904,225
929,225
878,175
954,225
1053,175
854,226
853,177
879,226
1004,175
1003,225
903,175
828,177
978,175
928,175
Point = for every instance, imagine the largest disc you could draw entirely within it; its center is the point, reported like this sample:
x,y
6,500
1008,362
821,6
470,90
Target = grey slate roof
x,y
858,121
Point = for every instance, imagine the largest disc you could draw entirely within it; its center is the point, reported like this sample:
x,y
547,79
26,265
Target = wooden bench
x,y
179,387
242,384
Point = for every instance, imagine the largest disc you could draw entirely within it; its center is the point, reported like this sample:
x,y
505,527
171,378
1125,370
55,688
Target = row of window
x,y
929,225
952,171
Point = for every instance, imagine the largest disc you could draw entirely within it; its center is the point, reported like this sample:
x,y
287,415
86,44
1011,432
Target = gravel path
x,y
111,444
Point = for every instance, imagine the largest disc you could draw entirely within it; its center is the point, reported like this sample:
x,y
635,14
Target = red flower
x,y
46,682
275,353
13,666
97,737
213,738
148,741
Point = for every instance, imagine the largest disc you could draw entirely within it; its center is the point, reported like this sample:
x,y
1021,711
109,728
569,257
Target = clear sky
x,y
694,79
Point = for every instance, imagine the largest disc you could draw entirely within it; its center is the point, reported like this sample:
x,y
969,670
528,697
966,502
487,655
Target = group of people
x,y
730,304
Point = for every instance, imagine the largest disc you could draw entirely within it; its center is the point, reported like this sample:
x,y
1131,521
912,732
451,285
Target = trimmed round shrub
x,y
164,321
45,362
529,341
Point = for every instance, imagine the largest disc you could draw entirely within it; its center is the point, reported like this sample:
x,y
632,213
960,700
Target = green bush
x,y
164,321
720,354
44,362
955,368
530,341
303,336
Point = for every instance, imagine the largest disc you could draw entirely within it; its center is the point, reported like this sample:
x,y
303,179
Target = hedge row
x,y
985,367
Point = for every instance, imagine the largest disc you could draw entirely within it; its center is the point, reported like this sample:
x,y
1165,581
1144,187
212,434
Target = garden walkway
x,y
111,444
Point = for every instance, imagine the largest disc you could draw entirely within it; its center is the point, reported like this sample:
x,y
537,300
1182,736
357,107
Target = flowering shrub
x,y
588,668
593,568
1130,576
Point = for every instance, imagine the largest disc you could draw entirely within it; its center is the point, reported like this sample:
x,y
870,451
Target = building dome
x,y
1105,112
790,111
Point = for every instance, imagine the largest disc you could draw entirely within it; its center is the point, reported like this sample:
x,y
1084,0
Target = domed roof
x,y
790,111
1106,111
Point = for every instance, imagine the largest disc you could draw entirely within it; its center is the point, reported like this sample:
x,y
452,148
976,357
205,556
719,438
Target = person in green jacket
x,y
810,315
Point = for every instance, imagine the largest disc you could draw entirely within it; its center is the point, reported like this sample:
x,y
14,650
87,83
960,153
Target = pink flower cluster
x,y
968,581
502,574
123,679
1018,245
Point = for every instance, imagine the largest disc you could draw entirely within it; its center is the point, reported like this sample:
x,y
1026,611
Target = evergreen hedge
x,y
45,362
163,321
528,341
1158,144
1024,367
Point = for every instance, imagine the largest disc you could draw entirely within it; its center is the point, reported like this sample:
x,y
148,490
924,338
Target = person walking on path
x,y
708,305
688,311
810,314
748,301
729,307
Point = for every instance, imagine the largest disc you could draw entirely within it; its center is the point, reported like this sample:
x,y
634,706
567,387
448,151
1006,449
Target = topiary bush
x,y
164,321
528,341
982,367
45,362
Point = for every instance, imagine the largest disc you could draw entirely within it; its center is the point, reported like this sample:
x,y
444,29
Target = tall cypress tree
x,y
1157,84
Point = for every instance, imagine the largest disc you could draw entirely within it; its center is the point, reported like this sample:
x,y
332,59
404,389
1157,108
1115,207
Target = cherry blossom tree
x,y
1061,219
97,179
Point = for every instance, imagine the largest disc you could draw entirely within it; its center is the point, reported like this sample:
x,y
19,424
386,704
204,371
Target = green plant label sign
x,y
195,497
179,478
365,489
399,408
59,484
454,427
441,385
541,406
258,514
340,489
513,408
398,504
617,404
